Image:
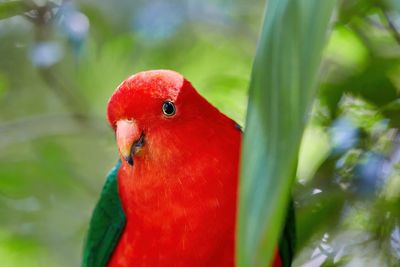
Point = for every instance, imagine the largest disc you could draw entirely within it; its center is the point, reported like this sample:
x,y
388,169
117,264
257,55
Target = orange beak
x,y
129,139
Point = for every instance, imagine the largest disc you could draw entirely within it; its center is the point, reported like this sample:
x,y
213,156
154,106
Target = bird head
x,y
148,102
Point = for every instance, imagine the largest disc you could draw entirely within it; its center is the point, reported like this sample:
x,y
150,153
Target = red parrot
x,y
172,198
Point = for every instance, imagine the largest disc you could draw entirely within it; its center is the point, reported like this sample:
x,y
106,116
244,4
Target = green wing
x,y
287,241
107,223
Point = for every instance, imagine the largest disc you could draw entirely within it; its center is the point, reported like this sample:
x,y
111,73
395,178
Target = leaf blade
x,y
281,90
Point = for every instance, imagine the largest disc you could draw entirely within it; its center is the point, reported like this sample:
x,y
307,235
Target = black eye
x,y
168,108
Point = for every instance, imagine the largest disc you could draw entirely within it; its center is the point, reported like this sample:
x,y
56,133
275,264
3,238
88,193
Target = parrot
x,y
171,199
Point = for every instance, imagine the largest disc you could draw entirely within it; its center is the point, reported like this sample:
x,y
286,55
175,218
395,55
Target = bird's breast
x,y
182,210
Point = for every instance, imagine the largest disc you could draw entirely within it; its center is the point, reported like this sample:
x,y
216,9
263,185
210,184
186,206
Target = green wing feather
x,y
106,226
288,238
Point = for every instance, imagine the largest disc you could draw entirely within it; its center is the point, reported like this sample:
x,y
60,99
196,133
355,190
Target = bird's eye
x,y
168,108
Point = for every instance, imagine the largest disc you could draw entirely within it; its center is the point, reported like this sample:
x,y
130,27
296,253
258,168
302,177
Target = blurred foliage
x,y
61,60
347,203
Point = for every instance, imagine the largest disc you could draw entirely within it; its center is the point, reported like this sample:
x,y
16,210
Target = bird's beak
x,y
129,139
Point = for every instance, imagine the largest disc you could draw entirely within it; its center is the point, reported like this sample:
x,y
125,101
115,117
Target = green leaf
x,y
281,91
13,8
376,75
394,4
320,212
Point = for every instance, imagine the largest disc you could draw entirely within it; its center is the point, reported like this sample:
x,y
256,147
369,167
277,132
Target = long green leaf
x,y
281,91
13,8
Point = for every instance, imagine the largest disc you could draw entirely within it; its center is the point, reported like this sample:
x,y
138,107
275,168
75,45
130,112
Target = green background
x,y
61,61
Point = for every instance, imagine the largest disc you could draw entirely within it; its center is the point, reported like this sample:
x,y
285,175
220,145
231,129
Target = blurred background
x,y
61,60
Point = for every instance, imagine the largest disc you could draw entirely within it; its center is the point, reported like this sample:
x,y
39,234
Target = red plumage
x,y
180,194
